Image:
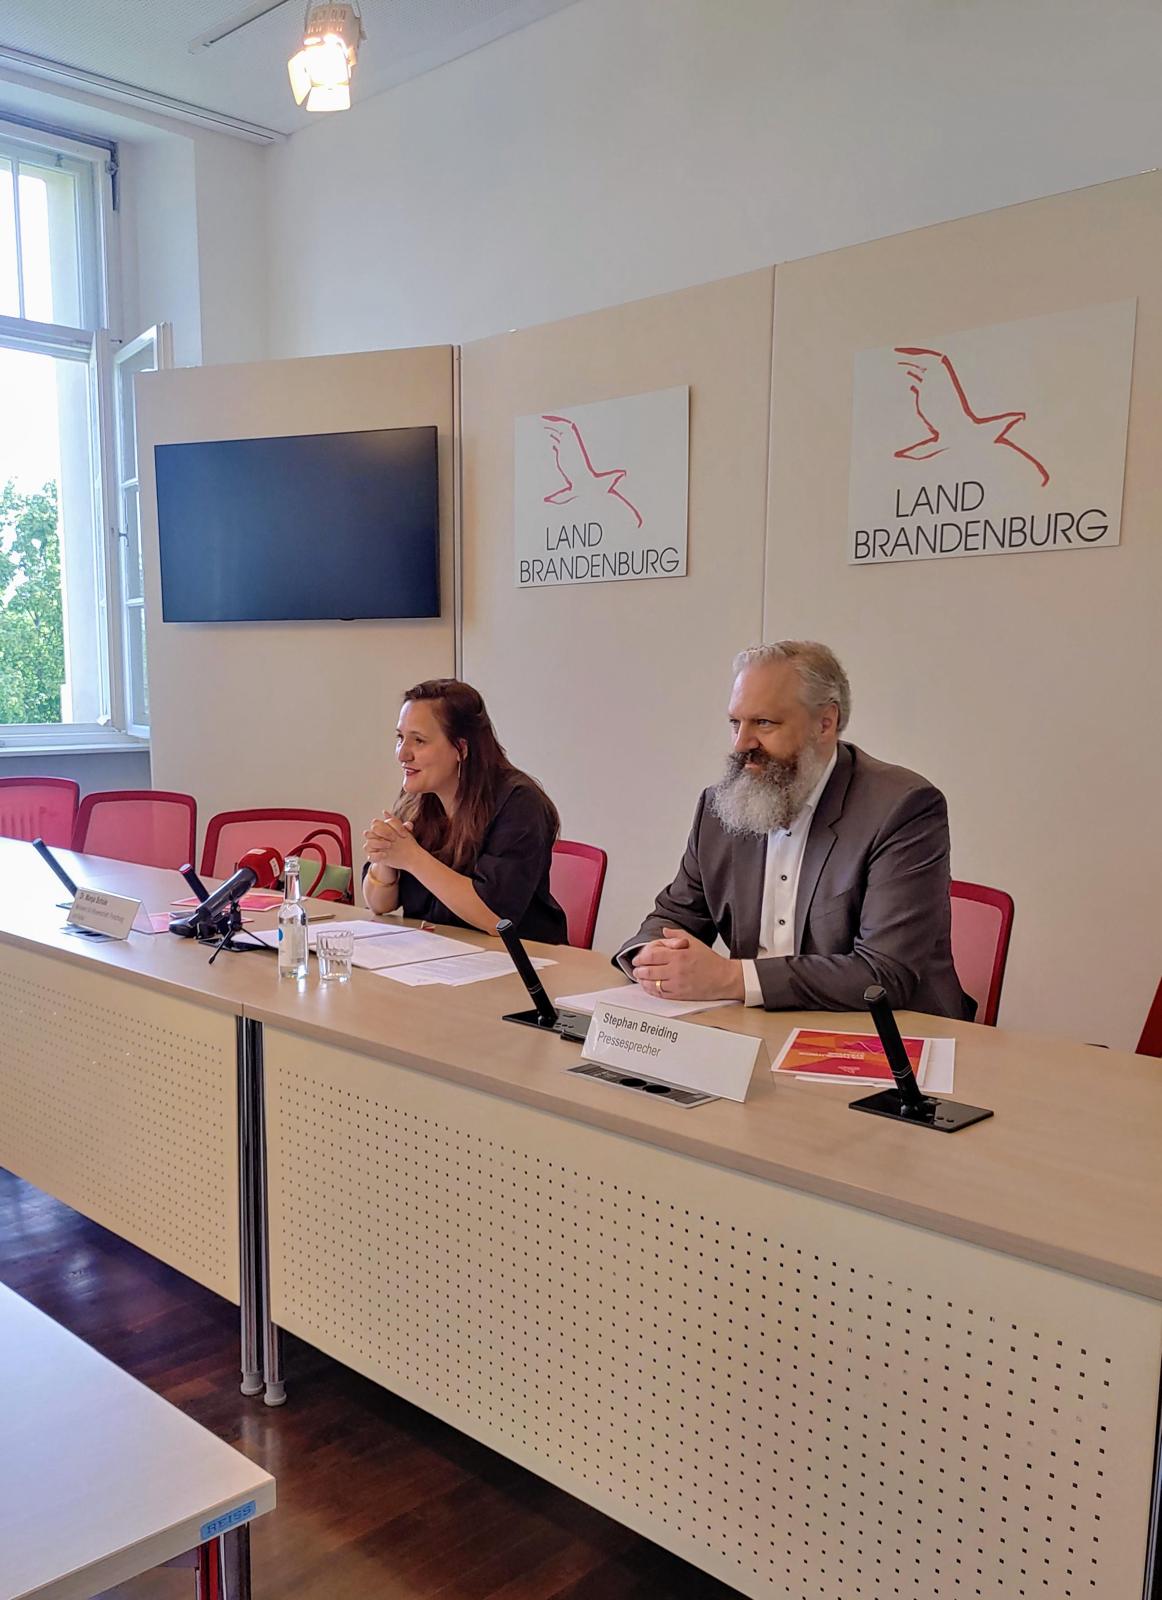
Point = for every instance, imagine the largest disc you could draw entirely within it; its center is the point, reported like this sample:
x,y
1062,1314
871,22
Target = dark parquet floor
x,y
377,1500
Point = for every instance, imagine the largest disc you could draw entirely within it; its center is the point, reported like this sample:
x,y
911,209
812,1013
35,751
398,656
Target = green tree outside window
x,y
32,649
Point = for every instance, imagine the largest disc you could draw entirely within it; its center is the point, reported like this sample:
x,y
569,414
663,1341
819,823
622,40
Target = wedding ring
x,y
658,982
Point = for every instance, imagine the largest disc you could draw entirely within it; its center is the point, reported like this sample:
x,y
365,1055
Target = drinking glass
x,y
335,947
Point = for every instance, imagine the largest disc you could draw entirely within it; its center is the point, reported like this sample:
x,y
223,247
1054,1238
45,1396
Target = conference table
x,y
100,1479
815,1353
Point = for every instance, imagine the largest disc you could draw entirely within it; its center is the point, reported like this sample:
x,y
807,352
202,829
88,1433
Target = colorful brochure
x,y
828,1057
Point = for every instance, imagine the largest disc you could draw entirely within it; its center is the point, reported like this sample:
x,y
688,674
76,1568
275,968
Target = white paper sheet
x,y
941,1066
637,999
418,973
401,947
476,968
360,927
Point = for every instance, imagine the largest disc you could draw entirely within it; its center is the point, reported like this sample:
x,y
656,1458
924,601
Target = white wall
x,y
622,148
230,179
193,243
159,241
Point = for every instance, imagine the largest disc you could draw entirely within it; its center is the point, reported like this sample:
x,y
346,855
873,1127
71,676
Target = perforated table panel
x,y
122,1103
805,1399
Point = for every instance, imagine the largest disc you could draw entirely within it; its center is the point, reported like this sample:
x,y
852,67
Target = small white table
x,y
100,1479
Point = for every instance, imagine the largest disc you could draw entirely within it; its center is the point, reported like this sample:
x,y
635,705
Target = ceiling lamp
x,y
320,73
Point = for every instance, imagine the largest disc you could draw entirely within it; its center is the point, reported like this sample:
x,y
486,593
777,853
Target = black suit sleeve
x,y
682,904
902,917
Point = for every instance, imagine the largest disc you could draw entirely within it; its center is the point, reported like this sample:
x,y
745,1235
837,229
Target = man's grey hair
x,y
822,678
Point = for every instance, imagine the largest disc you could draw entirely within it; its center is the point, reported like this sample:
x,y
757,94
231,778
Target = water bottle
x,y
292,925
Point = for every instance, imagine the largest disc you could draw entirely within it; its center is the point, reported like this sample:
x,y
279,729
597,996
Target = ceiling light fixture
x,y
320,73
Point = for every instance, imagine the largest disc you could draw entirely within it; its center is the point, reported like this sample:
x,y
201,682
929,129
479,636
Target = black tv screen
x,y
315,526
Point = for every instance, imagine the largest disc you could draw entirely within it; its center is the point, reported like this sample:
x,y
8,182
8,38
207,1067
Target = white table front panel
x,y
122,1103
808,1400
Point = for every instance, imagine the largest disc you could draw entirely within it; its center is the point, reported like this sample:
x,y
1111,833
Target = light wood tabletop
x,y
1067,1173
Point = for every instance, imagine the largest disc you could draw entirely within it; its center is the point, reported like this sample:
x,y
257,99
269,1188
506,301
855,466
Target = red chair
x,y
39,808
154,827
982,924
231,833
1150,1044
576,877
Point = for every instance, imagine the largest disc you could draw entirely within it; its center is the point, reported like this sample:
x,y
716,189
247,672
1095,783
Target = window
x,y
72,635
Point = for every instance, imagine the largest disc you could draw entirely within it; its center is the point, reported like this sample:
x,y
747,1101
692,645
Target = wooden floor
x,y
376,1500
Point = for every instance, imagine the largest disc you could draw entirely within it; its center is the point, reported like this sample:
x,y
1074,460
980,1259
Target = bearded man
x,y
821,869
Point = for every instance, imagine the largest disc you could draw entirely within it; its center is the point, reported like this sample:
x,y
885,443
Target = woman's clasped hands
x,y
391,848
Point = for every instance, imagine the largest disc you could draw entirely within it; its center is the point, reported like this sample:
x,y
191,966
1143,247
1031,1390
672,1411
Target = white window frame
x,y
124,480
99,342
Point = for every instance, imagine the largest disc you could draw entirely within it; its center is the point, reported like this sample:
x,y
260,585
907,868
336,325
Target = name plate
x,y
687,1054
114,915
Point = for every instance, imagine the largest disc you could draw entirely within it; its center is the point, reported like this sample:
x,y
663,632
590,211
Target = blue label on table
x,y
228,1520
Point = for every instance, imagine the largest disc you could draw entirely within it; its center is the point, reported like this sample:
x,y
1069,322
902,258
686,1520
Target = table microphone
x,y
209,920
568,1024
546,1010
47,856
217,913
905,1103
265,862
913,1102
201,893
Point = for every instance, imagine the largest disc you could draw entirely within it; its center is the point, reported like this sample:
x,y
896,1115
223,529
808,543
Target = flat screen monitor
x,y
313,526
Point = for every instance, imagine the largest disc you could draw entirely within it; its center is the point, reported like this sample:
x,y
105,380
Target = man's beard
x,y
764,801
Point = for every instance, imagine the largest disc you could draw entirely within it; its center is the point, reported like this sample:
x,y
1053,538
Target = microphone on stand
x,y
218,915
905,1103
568,1024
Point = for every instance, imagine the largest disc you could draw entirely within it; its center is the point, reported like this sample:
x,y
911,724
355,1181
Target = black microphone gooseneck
x,y
50,860
546,1010
195,883
884,1018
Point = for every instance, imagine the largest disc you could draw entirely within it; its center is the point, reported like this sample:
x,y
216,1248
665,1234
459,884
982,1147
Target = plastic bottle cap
x,y
291,864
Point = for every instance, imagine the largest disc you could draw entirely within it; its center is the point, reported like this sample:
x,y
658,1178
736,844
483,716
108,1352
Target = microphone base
x,y
572,1025
943,1116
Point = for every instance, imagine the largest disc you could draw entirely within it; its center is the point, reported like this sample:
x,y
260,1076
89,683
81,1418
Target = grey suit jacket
x,y
872,905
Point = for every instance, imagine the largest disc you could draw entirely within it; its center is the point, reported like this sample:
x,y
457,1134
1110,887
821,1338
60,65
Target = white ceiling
x,y
145,43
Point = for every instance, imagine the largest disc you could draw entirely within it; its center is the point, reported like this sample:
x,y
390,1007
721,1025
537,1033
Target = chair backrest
x,y
1150,1044
576,876
231,833
154,827
982,923
39,808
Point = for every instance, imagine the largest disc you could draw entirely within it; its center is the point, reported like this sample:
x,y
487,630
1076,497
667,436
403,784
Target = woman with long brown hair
x,y
470,838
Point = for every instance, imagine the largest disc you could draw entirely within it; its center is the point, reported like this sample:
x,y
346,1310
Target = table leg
x,y
275,1388
248,1219
1152,1588
223,1566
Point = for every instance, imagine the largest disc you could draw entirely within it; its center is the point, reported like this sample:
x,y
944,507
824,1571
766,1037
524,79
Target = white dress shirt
x,y
784,863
